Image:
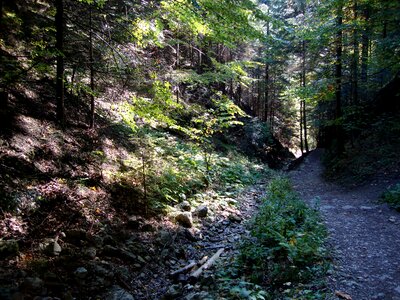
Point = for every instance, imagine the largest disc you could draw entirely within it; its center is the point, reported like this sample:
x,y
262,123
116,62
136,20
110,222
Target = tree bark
x,y
365,46
303,84
354,65
92,104
266,94
301,128
339,139
59,23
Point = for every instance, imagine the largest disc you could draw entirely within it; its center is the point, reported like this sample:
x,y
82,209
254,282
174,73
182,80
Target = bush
x,y
392,196
287,240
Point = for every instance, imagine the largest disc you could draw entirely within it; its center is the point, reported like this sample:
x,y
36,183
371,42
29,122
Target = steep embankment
x,y
363,233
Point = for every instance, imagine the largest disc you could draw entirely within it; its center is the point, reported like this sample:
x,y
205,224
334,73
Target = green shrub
x,y
287,240
392,196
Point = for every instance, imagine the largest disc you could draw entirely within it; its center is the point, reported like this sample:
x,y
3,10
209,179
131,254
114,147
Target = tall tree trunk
x,y
339,138
354,63
301,128
365,45
266,93
59,23
91,117
303,84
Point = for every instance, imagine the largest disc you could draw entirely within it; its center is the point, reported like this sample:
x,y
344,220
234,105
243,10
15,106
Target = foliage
x,y
286,247
392,196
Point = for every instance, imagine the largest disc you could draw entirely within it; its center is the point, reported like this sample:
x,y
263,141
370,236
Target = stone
x,y
134,222
184,219
95,240
118,293
231,201
90,252
185,206
165,237
202,211
81,273
234,218
188,233
56,249
199,296
174,292
109,240
8,248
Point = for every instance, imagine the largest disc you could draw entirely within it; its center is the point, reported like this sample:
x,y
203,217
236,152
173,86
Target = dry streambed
x,y
173,257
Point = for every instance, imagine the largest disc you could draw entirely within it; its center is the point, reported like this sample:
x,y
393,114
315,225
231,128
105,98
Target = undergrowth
x,y
392,196
284,256
167,170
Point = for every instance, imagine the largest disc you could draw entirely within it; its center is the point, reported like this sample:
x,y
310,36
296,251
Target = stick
x,y
196,274
183,270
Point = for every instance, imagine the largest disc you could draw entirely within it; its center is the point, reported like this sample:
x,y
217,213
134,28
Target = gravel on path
x,y
364,234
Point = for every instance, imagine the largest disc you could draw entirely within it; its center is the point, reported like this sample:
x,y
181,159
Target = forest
x,y
199,149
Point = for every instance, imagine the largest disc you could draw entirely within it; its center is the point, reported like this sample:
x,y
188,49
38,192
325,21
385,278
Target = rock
x,y
95,240
8,248
118,252
109,250
202,211
234,218
134,222
199,296
81,273
165,237
118,293
56,250
90,252
188,233
32,284
173,292
231,201
109,240
392,219
184,219
50,247
148,228
185,206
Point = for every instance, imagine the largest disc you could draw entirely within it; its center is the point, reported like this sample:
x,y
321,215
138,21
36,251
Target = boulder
x,y
185,206
202,211
184,219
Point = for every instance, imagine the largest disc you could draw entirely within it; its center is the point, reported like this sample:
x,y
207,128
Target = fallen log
x,y
196,274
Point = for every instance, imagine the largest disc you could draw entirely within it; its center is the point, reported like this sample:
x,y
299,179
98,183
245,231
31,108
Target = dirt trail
x,y
364,235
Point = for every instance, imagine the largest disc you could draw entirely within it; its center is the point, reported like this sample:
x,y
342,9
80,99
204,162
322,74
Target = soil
x,y
364,233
